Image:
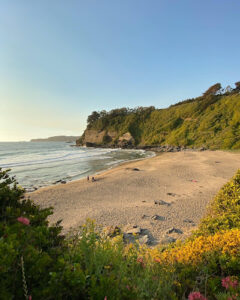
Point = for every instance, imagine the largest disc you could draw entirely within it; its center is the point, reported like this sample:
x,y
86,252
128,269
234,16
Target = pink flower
x,y
228,282
140,261
105,298
234,283
196,296
30,297
234,297
24,221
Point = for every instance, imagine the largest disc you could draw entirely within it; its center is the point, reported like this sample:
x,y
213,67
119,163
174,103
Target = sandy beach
x,y
168,190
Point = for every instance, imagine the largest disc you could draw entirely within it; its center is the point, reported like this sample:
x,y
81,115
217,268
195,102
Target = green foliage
x,y
212,121
112,270
213,90
237,84
39,245
93,118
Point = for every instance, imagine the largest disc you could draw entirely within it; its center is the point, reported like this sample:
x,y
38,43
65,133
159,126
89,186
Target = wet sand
x,y
177,187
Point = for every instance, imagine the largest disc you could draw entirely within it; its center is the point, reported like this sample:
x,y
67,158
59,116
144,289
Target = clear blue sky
x,y
62,59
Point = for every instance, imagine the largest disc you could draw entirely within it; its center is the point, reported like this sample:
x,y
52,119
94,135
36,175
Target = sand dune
x,y
185,182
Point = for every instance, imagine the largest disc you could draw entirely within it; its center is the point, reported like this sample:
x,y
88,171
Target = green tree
x,y
213,90
93,118
237,84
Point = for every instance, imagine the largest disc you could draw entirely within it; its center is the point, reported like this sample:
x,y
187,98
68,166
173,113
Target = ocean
x,y
39,164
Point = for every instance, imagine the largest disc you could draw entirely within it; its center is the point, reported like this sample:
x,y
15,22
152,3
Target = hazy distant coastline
x,y
60,138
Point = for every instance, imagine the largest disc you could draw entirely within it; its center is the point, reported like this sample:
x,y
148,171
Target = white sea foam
x,y
41,164
42,158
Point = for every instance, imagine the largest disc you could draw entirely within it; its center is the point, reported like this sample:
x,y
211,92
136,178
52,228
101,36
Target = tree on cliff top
x,y
213,89
93,117
237,84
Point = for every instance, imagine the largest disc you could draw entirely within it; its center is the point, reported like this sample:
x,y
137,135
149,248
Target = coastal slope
x,y
210,121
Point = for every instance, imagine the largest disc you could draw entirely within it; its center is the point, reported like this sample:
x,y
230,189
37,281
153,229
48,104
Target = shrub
x,y
224,211
27,244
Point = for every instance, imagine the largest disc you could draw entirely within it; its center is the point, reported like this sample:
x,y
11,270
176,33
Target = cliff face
x,y
94,138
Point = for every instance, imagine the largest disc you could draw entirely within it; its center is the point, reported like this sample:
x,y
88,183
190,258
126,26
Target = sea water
x,y
38,164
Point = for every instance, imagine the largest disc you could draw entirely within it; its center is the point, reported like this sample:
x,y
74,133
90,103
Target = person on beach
x,y
93,179
88,178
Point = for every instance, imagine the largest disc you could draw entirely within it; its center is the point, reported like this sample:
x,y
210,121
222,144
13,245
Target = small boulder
x,y
167,240
157,217
58,181
174,230
128,238
171,194
161,202
144,239
188,221
134,230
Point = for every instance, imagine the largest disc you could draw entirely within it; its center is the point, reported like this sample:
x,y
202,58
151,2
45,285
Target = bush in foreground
x,y
37,262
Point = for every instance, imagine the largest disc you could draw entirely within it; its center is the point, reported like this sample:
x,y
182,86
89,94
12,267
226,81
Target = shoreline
x,y
165,195
65,182
154,152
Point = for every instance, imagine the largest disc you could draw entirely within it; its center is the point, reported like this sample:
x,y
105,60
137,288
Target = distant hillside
x,y
211,121
60,138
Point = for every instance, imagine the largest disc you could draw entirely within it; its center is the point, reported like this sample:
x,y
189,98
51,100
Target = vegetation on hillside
x,y
211,120
37,262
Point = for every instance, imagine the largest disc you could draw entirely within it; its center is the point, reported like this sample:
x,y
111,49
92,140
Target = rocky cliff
x,y
94,138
